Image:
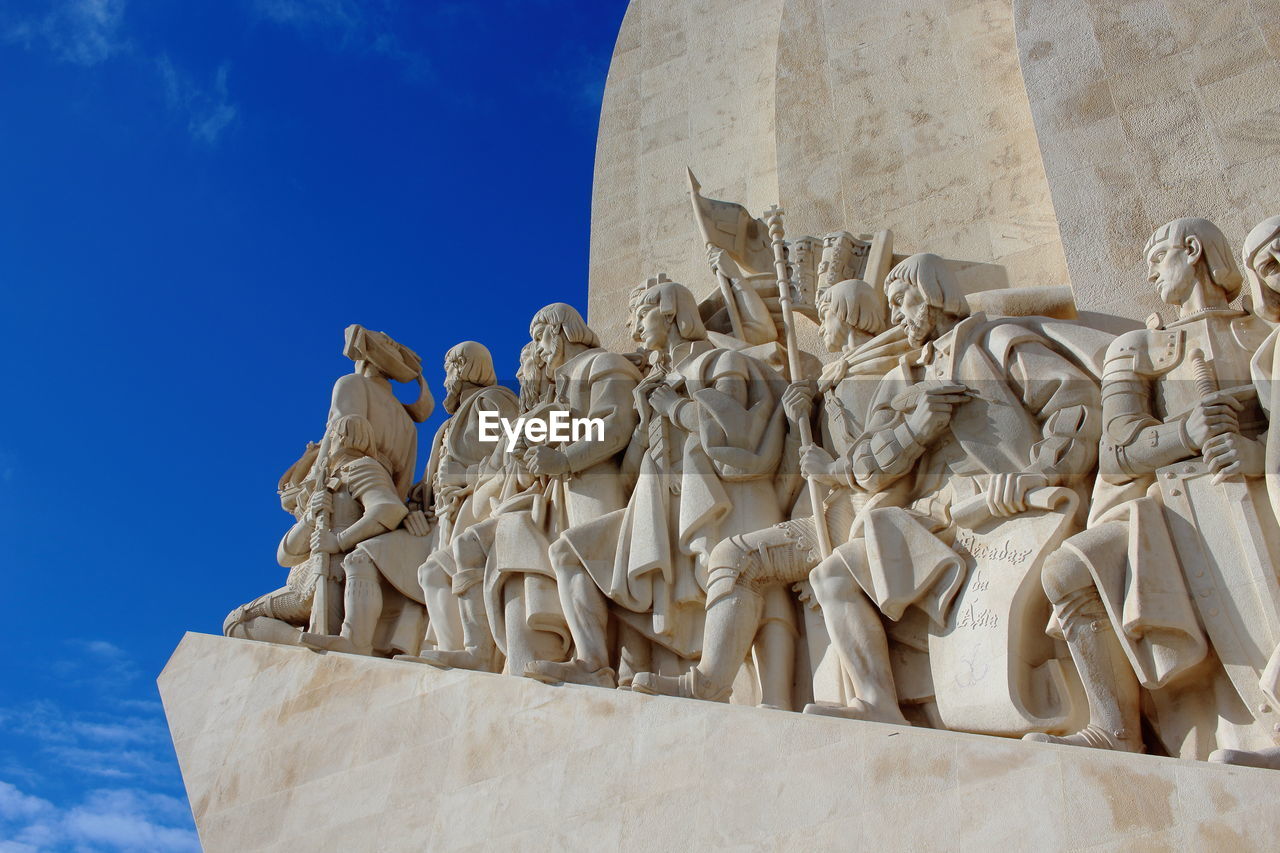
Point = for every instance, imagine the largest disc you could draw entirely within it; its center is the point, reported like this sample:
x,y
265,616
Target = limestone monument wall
x,y
1149,111
909,115
903,457
283,749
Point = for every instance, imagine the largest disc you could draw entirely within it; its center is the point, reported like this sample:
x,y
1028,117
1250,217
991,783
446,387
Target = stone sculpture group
x,y
1025,526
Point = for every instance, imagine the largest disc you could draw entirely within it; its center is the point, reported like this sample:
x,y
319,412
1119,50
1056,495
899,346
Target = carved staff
x,y
319,559
773,217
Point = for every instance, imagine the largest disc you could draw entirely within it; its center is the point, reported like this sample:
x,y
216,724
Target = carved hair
x,y
567,319
677,303
1266,302
475,364
930,274
1216,251
856,304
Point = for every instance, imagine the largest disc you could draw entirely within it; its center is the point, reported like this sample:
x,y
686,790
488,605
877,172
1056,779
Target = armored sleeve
x,y
1134,441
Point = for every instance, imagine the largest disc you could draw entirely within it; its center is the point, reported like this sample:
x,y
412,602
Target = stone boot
x,y
573,672
1111,686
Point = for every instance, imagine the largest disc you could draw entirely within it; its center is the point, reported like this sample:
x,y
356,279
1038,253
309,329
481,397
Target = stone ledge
x,y
282,748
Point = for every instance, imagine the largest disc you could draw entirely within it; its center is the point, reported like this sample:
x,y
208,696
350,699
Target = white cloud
x,y
207,110
330,14
362,27
85,32
17,806
89,32
126,820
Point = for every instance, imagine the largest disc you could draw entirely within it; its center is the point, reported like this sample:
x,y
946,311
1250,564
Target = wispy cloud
x,y
361,27
208,111
85,32
343,15
89,32
113,734
112,745
109,819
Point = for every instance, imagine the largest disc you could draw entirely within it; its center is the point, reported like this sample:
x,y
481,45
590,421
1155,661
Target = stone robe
x,y
529,512
1032,410
707,478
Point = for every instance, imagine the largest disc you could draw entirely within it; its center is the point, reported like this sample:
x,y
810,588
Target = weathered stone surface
x,y
853,114
283,748
1147,111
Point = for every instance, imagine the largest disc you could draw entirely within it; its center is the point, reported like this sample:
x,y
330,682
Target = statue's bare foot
x,y
858,710
1091,736
573,672
330,643
1267,759
653,684
464,659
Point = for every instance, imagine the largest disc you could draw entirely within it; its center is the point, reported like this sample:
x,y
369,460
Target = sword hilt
x,y
1206,382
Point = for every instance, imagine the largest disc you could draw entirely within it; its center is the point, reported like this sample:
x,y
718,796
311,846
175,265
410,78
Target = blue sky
x,y
196,197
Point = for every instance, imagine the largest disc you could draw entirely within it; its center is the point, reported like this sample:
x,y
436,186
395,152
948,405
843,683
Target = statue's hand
x,y
1007,493
546,461
721,263
416,523
819,465
797,400
664,399
933,410
321,503
325,542
1213,416
1231,454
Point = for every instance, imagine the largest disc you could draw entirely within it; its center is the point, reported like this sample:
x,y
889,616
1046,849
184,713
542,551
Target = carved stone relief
x,y
973,511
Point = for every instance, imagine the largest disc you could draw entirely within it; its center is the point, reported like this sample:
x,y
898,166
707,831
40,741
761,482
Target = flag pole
x,y
726,287
773,217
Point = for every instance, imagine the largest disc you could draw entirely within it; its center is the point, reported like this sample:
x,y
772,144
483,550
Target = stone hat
x,y
1266,302
395,360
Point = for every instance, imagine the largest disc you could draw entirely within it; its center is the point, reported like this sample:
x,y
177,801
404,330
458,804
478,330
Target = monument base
x,y
284,748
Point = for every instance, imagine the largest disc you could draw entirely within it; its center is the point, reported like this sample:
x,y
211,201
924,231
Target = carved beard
x,y
532,392
453,397
920,327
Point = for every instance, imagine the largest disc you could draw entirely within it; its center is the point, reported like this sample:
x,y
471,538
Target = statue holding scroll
x,y
970,442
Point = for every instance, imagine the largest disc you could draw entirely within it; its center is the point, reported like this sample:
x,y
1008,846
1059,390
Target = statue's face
x,y
832,329
452,375
1172,269
653,328
530,371
909,310
550,345
1266,263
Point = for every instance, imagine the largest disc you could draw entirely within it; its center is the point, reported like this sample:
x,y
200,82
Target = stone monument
x,y
925,390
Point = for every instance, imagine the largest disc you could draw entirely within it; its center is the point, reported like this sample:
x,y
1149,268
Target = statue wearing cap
x,y
1149,595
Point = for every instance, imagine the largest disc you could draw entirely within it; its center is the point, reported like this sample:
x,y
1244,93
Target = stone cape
x,y
1026,141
